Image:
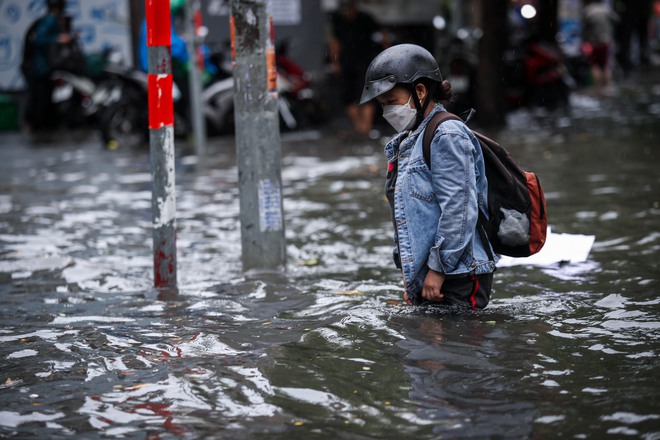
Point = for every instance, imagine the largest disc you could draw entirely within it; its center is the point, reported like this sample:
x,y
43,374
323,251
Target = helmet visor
x,y
375,88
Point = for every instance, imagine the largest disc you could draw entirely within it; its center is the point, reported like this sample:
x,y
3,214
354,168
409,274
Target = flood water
x,y
326,350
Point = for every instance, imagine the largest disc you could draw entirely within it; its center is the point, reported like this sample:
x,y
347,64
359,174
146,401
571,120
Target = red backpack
x,y
517,222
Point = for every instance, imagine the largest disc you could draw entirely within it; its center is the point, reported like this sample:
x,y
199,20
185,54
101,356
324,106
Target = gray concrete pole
x,y
193,42
257,136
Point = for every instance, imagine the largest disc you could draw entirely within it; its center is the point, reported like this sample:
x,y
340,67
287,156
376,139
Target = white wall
x,y
99,23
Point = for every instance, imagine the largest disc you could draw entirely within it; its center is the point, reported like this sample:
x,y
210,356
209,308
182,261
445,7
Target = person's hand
x,y
432,285
64,38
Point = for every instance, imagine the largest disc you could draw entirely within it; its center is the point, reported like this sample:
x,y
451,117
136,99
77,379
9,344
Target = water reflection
x,y
459,376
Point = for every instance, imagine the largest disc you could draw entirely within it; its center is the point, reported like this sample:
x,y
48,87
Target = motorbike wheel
x,y
124,125
70,113
219,113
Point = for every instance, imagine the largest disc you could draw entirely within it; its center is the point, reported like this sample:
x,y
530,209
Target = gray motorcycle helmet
x,y
400,64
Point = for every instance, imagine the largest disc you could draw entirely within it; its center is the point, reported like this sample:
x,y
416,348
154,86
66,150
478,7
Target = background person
x,y
41,40
355,39
598,35
434,211
632,33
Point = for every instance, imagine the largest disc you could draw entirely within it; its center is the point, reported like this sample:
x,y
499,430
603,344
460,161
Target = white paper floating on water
x,y
558,248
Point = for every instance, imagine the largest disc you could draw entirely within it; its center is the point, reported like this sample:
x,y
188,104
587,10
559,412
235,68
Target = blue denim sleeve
x,y
455,187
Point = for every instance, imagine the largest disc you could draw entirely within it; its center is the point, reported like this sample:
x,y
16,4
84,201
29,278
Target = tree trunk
x,y
491,104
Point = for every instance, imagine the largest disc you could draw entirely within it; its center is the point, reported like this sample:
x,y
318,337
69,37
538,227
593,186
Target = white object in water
x,y
558,248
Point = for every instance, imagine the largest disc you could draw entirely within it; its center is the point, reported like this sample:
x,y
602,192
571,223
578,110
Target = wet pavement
x,y
326,349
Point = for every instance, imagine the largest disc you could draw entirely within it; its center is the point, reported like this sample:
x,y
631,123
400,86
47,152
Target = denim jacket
x,y
436,210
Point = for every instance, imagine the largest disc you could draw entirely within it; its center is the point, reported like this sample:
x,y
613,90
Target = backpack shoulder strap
x,y
429,132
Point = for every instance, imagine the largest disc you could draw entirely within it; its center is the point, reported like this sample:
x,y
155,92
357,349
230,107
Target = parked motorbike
x,y
536,76
461,68
297,102
72,99
124,123
79,94
124,120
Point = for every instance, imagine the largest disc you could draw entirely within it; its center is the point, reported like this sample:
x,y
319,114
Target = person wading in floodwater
x,y
437,246
355,39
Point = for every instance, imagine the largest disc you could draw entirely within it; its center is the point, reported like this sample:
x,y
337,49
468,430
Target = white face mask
x,y
401,117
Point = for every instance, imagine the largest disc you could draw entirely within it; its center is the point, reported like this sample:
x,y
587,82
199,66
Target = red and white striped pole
x,y
161,139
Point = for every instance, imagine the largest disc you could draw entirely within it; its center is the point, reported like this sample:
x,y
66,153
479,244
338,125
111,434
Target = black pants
x,y
40,111
472,291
